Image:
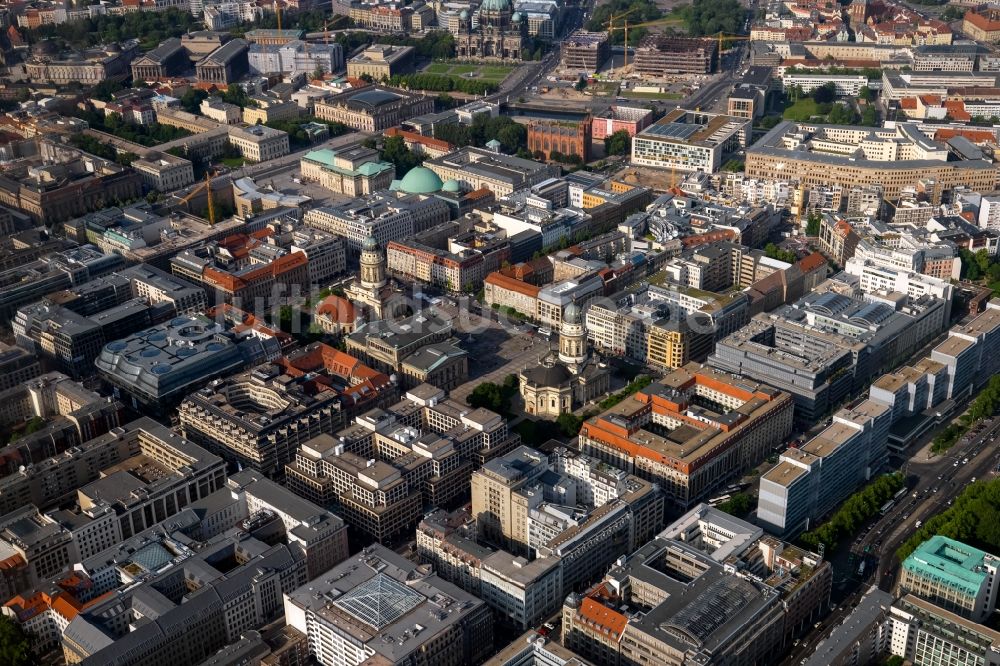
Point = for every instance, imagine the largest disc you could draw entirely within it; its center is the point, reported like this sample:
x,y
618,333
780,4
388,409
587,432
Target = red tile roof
x,y
511,284
811,262
430,142
337,308
604,619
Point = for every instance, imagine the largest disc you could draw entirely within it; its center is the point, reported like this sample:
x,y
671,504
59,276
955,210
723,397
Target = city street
x,y
932,486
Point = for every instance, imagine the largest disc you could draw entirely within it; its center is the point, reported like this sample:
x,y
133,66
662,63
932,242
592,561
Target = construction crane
x,y
277,10
626,26
208,192
208,189
610,25
729,38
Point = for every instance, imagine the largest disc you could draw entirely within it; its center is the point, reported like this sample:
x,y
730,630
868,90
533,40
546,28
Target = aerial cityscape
x,y
499,333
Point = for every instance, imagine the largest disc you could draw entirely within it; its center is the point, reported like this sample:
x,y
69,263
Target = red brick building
x,y
567,138
632,119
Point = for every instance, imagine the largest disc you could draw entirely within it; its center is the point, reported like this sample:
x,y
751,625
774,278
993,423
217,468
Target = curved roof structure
x,y
373,98
720,602
830,303
495,5
421,180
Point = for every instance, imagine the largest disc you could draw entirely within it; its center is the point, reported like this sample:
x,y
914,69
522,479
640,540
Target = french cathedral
x,y
372,290
564,381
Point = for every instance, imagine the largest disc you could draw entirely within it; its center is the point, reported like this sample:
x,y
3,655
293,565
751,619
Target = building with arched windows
x,y
562,382
496,36
560,136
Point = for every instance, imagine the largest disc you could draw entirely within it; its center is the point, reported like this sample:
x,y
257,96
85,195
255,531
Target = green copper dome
x,y
451,186
420,180
495,5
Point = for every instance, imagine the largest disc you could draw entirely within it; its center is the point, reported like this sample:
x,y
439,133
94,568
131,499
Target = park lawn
x,y
233,162
495,70
802,110
494,74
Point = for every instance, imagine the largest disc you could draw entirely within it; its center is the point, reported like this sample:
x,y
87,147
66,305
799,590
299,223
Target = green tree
x,y
15,643
619,143
512,136
825,93
869,117
738,505
394,150
813,224
105,89
983,259
774,252
842,114
710,17
569,424
581,83
867,94
495,397
192,99
639,11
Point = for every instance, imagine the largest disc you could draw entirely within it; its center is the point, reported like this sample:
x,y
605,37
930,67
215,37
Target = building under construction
x,y
586,51
661,55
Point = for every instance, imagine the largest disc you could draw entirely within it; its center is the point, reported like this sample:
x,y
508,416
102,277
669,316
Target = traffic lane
x,y
807,646
937,472
982,460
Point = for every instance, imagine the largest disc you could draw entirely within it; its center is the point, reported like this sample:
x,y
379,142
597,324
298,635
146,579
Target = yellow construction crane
x,y
729,38
626,26
611,30
208,191
277,10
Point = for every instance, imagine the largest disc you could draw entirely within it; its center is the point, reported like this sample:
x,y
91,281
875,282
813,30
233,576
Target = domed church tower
x,y
372,264
573,339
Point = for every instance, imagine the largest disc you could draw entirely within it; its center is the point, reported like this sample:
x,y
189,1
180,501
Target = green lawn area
x,y
802,110
233,162
491,73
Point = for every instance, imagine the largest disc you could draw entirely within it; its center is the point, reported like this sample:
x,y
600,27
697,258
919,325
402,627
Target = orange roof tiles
x,y
337,308
502,281
481,193
222,279
843,228
709,237
289,262
811,262
413,137
67,606
974,135
610,621
908,103
956,109
988,22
